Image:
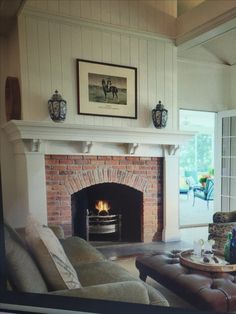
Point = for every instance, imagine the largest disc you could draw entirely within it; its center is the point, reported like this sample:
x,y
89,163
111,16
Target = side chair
x,y
205,193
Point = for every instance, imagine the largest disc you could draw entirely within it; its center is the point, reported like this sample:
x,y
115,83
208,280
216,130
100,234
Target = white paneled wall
x,y
144,15
49,47
9,65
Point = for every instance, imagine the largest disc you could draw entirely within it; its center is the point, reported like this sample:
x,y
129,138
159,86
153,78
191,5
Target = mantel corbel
x,y
86,146
23,146
35,145
170,150
132,148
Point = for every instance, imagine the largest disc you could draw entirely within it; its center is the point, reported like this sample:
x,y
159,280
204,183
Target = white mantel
x,y
31,140
93,139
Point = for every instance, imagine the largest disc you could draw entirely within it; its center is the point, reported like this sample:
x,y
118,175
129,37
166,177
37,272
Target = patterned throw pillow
x,y
50,256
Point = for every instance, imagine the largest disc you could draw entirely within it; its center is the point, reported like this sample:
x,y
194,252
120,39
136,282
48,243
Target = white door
x,y
225,170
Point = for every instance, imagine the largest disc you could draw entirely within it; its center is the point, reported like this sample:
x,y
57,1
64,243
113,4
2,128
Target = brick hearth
x,y
66,175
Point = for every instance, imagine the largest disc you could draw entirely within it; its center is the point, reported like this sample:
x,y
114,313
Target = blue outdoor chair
x,y
205,193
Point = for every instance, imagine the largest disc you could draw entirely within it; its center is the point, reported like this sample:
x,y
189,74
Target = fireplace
x,y
131,187
107,211
67,151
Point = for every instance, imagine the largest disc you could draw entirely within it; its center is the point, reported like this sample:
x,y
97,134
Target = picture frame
x,y
106,89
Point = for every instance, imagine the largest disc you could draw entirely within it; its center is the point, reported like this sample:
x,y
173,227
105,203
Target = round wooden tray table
x,y
187,258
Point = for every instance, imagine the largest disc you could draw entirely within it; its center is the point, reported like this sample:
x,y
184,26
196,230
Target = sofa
x,y
98,277
223,223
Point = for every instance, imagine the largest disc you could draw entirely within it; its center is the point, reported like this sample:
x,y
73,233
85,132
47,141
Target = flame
x,y
102,205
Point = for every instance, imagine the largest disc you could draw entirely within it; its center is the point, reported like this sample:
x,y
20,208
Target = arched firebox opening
x,y
104,204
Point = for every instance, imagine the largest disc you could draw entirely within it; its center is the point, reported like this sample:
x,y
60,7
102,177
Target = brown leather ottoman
x,y
204,290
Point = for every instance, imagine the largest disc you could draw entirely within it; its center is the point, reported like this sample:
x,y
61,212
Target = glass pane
x,y
225,164
232,203
233,146
225,186
225,147
204,152
233,126
233,187
225,126
224,204
233,167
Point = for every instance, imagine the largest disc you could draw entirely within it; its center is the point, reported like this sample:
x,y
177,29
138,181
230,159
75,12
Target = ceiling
x,y
219,46
186,5
223,47
220,49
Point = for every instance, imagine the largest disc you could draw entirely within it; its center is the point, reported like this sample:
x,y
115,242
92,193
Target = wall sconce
x,y
159,116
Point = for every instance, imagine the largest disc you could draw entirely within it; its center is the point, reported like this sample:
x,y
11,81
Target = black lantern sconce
x,y
57,107
159,116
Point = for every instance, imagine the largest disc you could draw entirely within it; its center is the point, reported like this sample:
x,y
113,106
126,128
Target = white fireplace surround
x,y
31,140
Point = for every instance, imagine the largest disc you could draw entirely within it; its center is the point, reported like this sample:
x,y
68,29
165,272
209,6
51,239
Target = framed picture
x,y
106,89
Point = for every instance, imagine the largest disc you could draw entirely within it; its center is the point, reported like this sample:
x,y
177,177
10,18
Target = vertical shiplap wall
x,y
157,16
9,65
49,48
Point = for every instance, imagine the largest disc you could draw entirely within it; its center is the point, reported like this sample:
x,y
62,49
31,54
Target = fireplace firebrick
x,y
107,205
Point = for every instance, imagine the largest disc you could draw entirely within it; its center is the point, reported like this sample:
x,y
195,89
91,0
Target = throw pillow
x,y
50,256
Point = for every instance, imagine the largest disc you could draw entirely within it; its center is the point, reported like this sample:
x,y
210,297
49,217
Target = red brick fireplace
x,y
144,160
68,174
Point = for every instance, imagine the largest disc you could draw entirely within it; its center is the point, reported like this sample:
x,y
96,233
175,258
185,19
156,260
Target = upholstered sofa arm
x,y
80,251
223,217
134,292
155,297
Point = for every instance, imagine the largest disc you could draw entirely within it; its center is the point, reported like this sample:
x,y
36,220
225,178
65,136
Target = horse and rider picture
x,y
107,89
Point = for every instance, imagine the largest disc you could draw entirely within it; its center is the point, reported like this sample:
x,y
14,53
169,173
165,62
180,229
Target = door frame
x,y
218,153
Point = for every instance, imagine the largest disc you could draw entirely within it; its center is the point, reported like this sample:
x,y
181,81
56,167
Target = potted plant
x,y
203,179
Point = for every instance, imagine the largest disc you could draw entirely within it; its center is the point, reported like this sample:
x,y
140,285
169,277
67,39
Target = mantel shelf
x,y
46,131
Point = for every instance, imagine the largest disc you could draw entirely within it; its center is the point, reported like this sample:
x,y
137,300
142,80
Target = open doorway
x,y
196,162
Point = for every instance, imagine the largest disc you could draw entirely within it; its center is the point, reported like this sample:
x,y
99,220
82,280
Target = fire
x,y
102,206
